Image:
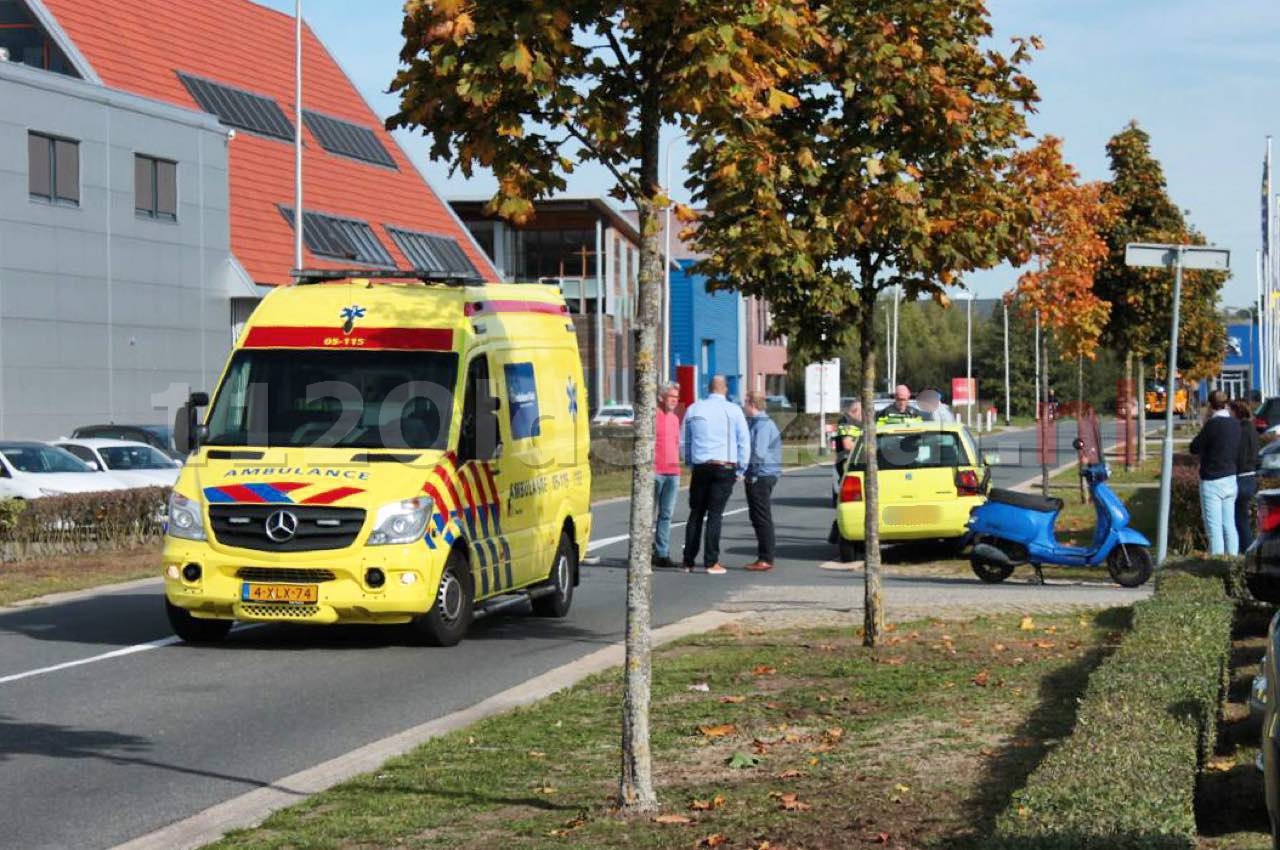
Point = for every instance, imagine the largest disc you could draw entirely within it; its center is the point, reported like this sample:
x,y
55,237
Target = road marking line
x,y
107,656
609,541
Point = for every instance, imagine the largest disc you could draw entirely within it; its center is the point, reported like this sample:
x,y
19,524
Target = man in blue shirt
x,y
762,474
717,446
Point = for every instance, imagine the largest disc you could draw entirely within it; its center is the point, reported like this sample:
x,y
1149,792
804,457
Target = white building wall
x,y
102,310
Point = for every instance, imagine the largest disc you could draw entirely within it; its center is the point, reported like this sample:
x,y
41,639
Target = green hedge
x,y
81,522
1126,778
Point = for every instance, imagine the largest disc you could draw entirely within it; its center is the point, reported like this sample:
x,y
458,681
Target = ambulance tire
x,y
193,629
556,604
454,608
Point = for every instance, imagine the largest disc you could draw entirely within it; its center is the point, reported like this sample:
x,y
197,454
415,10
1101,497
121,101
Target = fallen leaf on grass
x,y
1043,644
537,754
896,661
790,801
879,838
982,679
703,687
763,670
673,820
791,773
569,827
733,699
835,733
715,802
998,647
741,760
548,790
719,731
1027,624
713,840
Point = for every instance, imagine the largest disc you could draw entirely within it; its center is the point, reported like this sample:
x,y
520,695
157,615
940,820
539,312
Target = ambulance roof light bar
x,y
303,277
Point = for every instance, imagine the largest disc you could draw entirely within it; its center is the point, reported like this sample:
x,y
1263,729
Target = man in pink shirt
x,y
666,473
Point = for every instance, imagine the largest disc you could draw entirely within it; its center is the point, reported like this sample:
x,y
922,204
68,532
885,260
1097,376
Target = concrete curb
x,y
77,595
250,809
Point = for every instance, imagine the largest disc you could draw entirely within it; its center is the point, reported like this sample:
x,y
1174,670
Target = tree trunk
x,y
1080,414
635,790
873,609
1142,408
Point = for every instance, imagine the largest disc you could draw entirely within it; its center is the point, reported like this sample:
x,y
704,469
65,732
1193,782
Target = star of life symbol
x,y
571,389
349,316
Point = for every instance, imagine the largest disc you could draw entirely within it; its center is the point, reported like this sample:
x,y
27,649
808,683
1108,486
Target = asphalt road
x,y
109,731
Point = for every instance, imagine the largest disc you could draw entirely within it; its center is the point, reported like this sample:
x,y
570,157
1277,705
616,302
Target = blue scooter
x,y
1013,528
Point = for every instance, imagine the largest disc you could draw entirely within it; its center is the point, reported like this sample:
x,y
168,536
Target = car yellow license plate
x,y
295,593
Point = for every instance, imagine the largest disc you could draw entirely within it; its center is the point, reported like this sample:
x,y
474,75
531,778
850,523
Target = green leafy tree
x,y
889,171
530,89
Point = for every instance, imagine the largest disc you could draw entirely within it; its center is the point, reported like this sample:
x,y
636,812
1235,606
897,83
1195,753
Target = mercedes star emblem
x,y
281,526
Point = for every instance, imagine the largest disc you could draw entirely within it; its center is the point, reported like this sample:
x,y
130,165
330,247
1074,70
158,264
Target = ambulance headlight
x,y
401,522
184,520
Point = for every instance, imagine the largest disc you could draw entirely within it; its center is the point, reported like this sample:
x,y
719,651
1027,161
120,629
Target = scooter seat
x,y
1030,501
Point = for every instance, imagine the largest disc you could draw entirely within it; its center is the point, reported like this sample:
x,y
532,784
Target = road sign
x,y
1176,257
1166,256
963,391
822,387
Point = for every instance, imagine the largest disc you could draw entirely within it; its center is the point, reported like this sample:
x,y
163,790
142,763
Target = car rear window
x,y
916,450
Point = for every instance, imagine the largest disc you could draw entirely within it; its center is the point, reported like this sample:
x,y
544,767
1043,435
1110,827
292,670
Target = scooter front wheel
x,y
1130,565
989,572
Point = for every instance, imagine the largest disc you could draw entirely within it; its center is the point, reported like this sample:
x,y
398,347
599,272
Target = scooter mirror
x,y
1077,444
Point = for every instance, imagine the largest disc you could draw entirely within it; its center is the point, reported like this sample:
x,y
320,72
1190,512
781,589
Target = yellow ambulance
x,y
384,452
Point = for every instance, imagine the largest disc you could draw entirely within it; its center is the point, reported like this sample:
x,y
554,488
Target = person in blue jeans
x,y
666,473
1218,447
763,470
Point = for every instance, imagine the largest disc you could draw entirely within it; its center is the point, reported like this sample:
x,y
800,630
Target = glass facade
x,y
26,42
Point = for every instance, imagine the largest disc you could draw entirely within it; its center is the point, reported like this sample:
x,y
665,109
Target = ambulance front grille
x,y
287,576
245,526
295,612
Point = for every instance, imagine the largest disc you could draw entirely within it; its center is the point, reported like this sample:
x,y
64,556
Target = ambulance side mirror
x,y
187,432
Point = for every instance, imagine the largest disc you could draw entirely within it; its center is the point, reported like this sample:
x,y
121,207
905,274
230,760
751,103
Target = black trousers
x,y
759,508
709,491
1246,489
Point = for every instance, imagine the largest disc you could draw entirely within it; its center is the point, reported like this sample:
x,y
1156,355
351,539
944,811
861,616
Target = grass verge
x,y
1127,776
30,579
781,739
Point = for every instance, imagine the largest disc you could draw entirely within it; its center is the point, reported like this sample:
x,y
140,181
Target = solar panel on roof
x,y
348,139
238,108
340,238
429,252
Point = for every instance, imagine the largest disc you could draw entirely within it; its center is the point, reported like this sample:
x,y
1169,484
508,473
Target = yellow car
x,y
931,475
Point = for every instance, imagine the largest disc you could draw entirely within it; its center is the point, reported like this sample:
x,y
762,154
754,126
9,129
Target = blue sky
x,y
1201,78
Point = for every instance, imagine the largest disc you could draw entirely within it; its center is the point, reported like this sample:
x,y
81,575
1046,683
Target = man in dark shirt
x,y
1218,446
1246,471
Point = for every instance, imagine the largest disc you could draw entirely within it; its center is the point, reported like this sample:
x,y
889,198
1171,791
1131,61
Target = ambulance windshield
x,y
335,399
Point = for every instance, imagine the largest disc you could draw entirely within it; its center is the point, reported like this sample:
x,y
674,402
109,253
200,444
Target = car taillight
x,y
1260,423
967,482
851,489
1268,517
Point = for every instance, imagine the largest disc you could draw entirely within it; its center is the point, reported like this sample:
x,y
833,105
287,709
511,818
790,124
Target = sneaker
x,y
662,562
758,566
716,570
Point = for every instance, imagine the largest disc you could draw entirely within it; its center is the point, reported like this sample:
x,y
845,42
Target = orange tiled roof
x,y
140,45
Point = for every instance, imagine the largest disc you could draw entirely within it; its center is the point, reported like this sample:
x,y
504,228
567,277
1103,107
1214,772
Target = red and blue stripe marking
x,y
275,493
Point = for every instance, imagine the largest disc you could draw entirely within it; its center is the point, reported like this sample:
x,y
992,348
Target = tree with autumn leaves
x,y
530,89
890,168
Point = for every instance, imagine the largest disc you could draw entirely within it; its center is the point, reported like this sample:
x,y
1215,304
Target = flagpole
x,y
299,219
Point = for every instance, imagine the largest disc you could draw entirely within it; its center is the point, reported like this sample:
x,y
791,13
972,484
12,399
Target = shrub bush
x,y
1186,528
81,522
1126,778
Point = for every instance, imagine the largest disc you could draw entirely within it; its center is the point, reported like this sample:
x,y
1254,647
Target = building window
x,y
341,238
155,187
553,253
23,40
347,139
239,108
53,169
431,253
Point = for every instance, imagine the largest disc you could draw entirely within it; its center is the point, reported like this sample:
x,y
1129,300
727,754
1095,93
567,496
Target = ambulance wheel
x,y
850,551
193,629
556,603
1129,565
989,572
450,616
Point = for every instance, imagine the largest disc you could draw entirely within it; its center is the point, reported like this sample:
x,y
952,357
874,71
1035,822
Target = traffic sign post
x,y
1178,257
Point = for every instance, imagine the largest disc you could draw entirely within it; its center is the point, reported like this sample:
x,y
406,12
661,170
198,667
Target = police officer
x,y
848,429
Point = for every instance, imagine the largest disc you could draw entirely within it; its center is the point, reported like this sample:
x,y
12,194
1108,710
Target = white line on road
x,y
107,656
609,541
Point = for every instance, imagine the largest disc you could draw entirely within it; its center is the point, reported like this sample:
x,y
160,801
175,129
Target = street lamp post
x,y
1179,257
968,360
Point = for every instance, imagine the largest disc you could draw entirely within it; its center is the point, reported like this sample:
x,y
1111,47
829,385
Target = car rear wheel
x,y
1129,565
451,614
560,583
193,629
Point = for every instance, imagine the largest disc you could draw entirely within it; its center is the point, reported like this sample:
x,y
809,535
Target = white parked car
x,y
32,470
615,414
132,464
